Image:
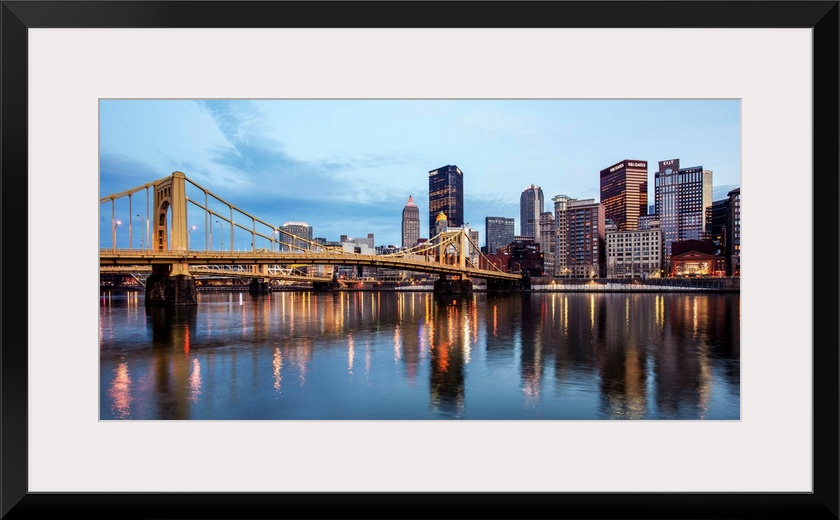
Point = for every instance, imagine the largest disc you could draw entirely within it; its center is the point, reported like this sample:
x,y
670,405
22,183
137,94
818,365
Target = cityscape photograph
x,y
419,259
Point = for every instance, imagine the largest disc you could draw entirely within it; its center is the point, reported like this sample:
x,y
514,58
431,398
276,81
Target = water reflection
x,y
170,328
367,355
449,349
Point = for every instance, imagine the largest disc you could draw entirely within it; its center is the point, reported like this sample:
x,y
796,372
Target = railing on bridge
x,y
166,237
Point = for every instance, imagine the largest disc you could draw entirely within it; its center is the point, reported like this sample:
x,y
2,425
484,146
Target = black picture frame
x,y
16,17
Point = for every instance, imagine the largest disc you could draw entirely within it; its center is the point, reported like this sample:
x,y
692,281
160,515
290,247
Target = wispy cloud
x,y
348,166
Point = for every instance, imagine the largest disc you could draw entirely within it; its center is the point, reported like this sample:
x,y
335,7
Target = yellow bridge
x,y
165,244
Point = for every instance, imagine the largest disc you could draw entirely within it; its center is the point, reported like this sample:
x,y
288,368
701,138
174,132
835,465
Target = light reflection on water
x,y
395,356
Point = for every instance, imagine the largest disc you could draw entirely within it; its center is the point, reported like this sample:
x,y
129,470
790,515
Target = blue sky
x,y
347,167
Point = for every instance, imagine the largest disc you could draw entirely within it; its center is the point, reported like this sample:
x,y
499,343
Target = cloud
x,y
722,192
252,162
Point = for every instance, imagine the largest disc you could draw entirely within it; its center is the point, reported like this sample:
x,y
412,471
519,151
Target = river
x,y
416,356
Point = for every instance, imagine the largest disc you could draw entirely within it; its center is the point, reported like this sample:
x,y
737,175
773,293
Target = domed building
x,y
441,223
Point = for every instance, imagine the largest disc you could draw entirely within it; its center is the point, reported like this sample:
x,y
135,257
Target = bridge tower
x,y
170,284
457,240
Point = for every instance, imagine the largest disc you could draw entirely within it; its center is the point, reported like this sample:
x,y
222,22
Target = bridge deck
x,y
114,257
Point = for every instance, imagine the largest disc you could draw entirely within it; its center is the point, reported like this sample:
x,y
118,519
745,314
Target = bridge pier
x,y
332,285
509,285
444,285
173,290
259,286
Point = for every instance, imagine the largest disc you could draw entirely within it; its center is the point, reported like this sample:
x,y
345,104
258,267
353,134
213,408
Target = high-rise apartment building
x,y
499,232
300,230
546,239
624,188
682,197
561,257
581,253
410,223
531,204
446,195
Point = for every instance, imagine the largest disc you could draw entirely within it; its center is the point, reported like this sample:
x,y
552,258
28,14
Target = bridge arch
x,y
171,195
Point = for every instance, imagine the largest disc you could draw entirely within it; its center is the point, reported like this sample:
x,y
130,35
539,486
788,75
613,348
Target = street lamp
x,y
114,235
188,236
221,243
273,239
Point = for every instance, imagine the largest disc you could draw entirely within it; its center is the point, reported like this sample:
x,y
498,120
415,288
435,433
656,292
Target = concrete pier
x,y
509,285
332,285
163,289
456,286
259,286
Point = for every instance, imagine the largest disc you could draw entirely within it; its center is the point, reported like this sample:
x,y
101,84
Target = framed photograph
x,y
68,66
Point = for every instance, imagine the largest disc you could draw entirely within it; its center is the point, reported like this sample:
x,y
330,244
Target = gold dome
x,y
440,217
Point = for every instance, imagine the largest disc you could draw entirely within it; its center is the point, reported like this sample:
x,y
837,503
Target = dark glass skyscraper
x,y
446,194
499,232
624,193
682,197
733,232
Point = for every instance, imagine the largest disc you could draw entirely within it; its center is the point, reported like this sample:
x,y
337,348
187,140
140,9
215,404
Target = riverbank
x,y
547,284
724,285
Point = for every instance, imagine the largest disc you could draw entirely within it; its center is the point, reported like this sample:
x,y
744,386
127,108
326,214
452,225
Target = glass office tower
x,y
446,195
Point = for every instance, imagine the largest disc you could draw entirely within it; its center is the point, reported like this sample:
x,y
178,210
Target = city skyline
x,y
347,167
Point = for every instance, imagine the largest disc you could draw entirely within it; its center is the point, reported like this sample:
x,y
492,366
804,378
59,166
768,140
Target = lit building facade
x,y
410,223
584,238
446,194
682,197
499,232
561,245
635,254
531,205
624,193
441,224
696,258
300,230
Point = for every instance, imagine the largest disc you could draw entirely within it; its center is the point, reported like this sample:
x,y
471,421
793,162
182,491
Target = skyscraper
x,y
531,205
302,230
410,223
446,195
624,194
733,233
499,232
682,197
561,245
547,232
581,251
